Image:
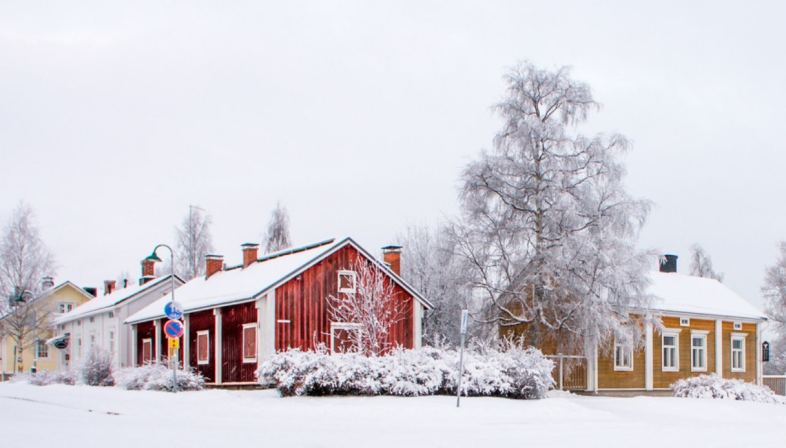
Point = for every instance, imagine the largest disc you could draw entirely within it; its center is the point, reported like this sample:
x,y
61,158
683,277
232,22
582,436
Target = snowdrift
x,y
507,371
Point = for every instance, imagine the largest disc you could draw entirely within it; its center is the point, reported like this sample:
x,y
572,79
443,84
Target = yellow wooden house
x,y
55,300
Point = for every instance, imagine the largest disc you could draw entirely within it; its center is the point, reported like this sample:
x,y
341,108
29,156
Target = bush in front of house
x,y
712,386
158,377
503,370
45,378
97,368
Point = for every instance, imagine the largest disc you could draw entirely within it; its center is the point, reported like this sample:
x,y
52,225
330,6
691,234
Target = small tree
x,y
24,260
774,291
97,368
701,264
374,307
194,241
277,235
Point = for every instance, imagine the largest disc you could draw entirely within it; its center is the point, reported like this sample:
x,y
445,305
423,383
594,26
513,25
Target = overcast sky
x,y
359,118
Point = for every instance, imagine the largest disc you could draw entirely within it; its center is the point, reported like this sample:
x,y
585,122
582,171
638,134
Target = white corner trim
x,y
719,347
217,344
648,357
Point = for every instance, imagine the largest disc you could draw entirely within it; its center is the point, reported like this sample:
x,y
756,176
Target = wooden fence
x,y
775,382
570,372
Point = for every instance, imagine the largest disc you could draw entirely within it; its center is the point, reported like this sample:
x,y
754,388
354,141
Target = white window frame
x,y
149,342
112,341
206,333
621,367
684,321
701,334
676,335
64,307
738,337
737,325
243,341
340,326
38,344
353,280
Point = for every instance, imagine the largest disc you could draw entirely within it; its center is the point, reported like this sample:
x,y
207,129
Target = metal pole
x,y
172,284
461,372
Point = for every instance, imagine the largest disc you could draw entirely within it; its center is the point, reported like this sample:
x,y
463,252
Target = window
x,y
147,351
738,325
203,347
79,347
347,282
112,341
738,352
64,307
92,341
250,342
92,319
343,337
623,357
670,341
698,352
42,350
684,322
111,314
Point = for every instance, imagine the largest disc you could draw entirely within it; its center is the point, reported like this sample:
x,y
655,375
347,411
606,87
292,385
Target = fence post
x,y
561,371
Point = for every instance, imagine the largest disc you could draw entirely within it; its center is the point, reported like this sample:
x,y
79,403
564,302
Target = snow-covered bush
x,y
97,368
46,378
712,386
158,377
508,371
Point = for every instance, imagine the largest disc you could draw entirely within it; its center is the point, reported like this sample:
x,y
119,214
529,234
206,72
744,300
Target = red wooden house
x,y
236,317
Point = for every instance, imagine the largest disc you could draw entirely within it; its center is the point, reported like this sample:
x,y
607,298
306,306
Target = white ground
x,y
80,416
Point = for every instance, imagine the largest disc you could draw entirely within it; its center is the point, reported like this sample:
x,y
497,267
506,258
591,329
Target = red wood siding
x,y
303,302
145,330
200,321
233,369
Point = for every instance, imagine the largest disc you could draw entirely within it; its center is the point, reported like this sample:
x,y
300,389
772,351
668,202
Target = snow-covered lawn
x,y
81,416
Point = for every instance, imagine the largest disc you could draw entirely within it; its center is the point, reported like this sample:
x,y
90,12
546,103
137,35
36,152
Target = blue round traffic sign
x,y
173,328
173,310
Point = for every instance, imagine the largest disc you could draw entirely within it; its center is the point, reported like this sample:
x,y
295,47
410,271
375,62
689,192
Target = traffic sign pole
x,y
464,319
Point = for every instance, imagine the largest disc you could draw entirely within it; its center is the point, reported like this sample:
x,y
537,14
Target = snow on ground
x,y
71,416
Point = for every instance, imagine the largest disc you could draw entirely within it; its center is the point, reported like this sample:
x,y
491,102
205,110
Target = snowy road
x,y
78,416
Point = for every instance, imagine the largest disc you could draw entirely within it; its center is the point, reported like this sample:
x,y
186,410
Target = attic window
x,y
738,325
684,322
347,282
111,314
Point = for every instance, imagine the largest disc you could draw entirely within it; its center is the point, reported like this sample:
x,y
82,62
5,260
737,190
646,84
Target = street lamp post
x,y
155,258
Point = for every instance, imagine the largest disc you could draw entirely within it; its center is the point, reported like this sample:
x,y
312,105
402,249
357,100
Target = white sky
x,y
359,117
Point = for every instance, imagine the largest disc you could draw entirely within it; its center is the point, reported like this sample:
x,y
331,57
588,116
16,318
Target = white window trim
x,y
703,335
148,341
740,337
621,368
243,340
676,334
206,333
737,325
38,349
684,321
354,280
340,326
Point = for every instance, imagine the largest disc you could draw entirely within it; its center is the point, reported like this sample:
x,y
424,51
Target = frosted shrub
x,y
711,386
504,372
158,377
46,378
97,368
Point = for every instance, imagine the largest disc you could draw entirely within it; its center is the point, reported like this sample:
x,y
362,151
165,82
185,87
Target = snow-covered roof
x,y
678,293
107,301
238,284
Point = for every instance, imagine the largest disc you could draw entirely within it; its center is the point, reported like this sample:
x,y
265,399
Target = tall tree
x,y
701,264
433,267
774,291
547,226
194,241
24,260
277,235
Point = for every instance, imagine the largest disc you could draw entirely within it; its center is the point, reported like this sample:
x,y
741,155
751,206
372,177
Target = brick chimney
x,y
148,271
392,257
668,263
250,251
47,282
213,264
109,286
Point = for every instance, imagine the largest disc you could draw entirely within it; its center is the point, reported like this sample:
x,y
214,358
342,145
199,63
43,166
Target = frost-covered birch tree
x,y
374,307
432,266
547,225
774,291
24,260
701,264
277,234
194,241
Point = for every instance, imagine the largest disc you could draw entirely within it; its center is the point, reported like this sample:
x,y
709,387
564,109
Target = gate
x,y
775,382
570,372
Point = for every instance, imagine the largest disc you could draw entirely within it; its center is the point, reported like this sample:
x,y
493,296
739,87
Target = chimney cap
x,y
392,248
668,263
214,257
249,245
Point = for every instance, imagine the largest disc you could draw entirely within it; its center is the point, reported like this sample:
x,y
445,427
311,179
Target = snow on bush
x,y
45,378
504,371
97,368
712,386
158,377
